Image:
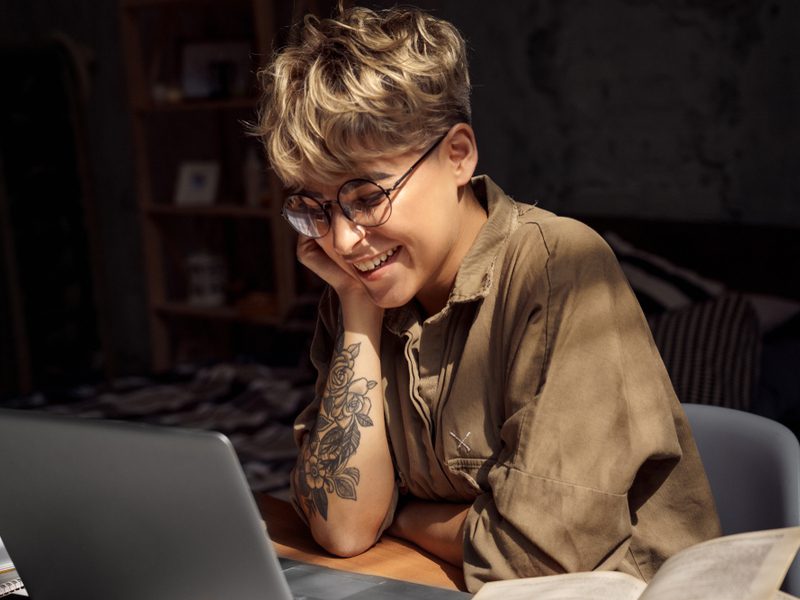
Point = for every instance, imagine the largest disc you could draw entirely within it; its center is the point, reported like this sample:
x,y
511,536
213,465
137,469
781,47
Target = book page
x,y
5,559
596,585
747,566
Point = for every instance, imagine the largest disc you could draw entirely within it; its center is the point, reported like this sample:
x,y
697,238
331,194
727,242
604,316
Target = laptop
x,y
107,510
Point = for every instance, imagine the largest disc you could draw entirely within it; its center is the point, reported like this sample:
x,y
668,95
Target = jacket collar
x,y
475,275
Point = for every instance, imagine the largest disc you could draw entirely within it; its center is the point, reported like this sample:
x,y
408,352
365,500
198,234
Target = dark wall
x,y
92,26
674,109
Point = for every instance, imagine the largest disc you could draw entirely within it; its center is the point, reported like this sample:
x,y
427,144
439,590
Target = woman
x,y
488,387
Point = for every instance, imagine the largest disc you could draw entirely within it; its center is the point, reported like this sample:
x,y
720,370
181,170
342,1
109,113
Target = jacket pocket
x,y
473,471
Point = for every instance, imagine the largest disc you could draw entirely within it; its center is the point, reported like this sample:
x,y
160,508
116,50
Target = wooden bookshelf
x,y
171,128
224,313
231,211
199,105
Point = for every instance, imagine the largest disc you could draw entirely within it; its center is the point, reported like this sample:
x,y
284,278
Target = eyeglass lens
x,y
306,216
362,201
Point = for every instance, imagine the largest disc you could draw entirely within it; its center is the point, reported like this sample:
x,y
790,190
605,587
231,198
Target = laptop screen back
x,y
99,510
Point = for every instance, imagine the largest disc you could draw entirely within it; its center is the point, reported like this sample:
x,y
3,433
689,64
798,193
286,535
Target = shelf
x,y
231,211
136,4
242,103
221,313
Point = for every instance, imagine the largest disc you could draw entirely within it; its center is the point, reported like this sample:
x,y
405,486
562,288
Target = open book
x,y
745,566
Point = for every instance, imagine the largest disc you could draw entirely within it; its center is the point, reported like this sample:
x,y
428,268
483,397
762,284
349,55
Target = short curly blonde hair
x,y
357,85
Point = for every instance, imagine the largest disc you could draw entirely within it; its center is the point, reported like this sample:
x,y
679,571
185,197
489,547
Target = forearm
x,y
344,478
437,527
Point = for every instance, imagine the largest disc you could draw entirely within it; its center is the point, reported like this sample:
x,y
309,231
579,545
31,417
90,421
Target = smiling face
x,y
435,217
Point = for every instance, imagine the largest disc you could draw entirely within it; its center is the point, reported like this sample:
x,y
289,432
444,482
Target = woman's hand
x,y
311,255
437,527
345,486
348,287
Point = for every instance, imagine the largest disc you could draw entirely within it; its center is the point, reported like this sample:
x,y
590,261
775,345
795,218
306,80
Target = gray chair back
x,y
753,466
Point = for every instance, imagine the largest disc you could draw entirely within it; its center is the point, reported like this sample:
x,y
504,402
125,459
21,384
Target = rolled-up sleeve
x,y
588,434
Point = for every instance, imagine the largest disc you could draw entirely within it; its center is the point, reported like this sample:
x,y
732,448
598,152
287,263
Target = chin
x,y
390,299
387,304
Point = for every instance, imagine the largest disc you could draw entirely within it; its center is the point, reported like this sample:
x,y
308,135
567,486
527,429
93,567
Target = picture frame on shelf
x,y
215,70
197,183
207,277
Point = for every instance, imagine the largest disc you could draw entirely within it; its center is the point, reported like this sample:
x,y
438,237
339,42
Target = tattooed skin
x,y
336,436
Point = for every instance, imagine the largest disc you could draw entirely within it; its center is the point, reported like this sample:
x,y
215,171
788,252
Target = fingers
x,y
306,245
341,277
312,256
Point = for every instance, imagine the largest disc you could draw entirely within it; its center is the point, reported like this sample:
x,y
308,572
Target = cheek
x,y
438,229
323,244
326,246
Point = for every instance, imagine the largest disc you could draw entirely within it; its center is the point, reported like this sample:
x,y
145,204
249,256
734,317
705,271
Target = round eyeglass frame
x,y
325,205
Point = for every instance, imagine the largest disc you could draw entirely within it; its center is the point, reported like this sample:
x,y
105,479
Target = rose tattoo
x,y
336,435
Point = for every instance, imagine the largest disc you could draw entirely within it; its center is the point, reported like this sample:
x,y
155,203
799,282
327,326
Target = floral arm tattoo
x,y
336,435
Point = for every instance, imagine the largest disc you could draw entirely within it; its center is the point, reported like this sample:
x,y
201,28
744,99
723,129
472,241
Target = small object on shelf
x,y
197,183
255,305
167,94
207,279
215,70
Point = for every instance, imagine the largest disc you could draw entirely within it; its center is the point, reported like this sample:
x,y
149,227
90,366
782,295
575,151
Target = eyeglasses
x,y
362,201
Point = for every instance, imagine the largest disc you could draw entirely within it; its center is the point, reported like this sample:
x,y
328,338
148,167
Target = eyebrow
x,y
309,193
375,176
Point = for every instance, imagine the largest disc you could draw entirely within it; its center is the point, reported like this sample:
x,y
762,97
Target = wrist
x,y
396,528
361,314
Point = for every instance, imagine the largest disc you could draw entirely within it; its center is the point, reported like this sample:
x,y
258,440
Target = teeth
x,y
370,265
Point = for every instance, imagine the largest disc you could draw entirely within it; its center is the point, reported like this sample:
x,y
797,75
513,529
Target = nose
x,y
346,234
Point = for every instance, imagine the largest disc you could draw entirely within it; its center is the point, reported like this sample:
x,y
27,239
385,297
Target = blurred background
x,y
139,229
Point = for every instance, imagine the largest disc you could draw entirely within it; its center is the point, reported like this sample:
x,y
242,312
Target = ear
x,y
461,153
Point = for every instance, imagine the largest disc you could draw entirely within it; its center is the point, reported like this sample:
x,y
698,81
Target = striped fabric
x,y
659,284
711,350
252,404
709,337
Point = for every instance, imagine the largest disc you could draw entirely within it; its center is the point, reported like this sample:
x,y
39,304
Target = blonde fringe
x,y
359,85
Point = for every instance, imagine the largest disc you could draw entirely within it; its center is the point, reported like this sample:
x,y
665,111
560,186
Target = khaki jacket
x,y
538,396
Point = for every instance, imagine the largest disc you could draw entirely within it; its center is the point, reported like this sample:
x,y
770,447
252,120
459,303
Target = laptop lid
x,y
102,510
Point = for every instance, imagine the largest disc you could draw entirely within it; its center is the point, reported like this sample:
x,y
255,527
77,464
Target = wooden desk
x,y
390,557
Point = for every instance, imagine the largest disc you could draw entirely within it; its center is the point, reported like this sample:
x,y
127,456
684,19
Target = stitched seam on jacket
x,y
560,482
469,463
636,562
545,357
414,381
